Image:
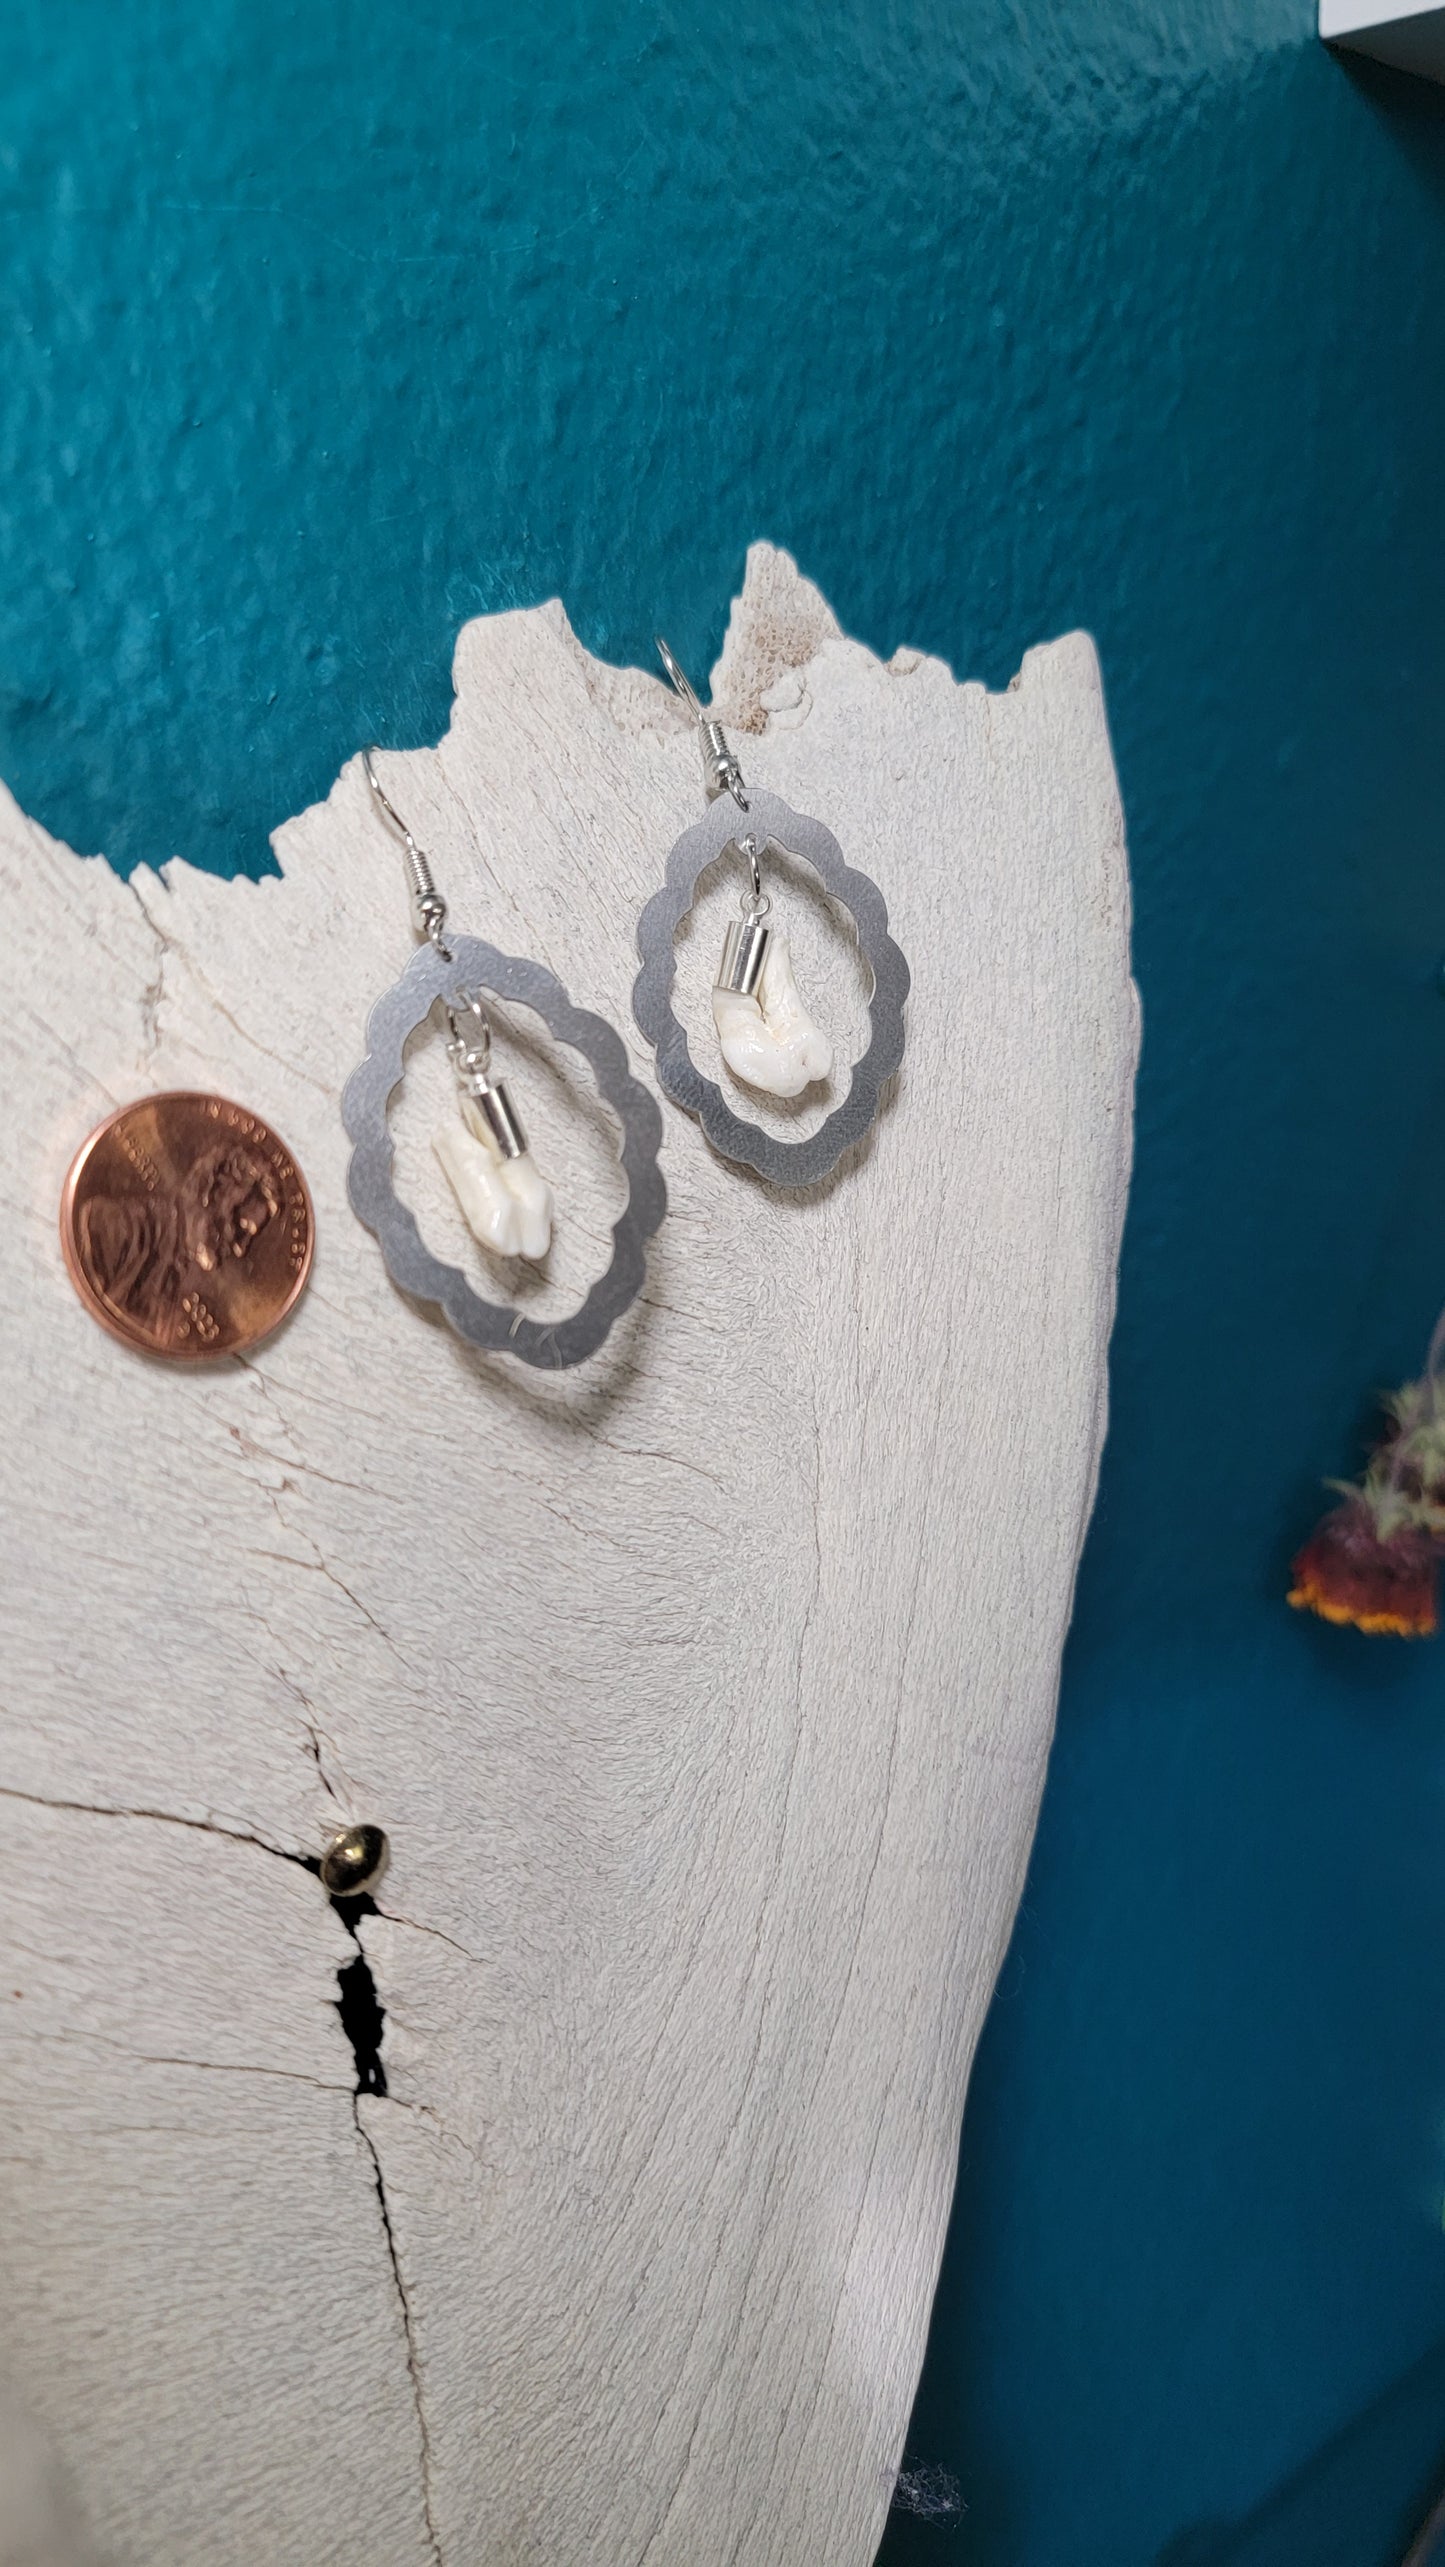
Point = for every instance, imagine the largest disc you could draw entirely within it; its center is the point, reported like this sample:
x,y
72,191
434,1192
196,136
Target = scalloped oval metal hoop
x,y
789,1163
498,1326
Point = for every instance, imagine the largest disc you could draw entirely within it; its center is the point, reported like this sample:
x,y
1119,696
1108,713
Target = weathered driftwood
x,y
705,1693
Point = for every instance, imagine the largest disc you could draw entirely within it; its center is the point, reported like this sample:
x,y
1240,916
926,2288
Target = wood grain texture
x,y
705,1693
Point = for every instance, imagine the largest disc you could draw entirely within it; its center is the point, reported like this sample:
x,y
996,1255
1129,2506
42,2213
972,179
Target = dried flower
x,y
1349,1571
1374,1560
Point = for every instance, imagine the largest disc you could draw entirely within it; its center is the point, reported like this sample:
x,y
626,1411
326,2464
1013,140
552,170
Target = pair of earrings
x,y
765,1036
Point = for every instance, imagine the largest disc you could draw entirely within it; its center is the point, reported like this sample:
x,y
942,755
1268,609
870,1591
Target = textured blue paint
x,y
334,325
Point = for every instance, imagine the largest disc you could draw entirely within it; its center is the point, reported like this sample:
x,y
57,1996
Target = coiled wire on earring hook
x,y
428,907
720,767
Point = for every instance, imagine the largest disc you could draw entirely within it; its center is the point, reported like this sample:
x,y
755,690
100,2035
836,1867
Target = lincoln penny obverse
x,y
187,1225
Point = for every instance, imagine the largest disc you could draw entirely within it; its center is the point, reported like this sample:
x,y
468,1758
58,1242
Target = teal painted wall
x,y
332,325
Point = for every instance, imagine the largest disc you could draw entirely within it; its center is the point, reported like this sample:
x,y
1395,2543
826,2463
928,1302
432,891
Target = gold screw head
x,y
354,1861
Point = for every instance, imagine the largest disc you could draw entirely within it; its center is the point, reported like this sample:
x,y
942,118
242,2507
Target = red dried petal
x,y
1347,1573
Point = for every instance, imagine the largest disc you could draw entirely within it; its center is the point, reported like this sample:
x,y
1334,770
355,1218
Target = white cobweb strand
x,y
705,1694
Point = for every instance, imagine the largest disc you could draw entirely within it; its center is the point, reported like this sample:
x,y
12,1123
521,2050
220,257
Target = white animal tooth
x,y
771,1041
476,1180
532,1198
505,1203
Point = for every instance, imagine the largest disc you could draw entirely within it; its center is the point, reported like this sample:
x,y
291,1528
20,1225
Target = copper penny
x,y
187,1226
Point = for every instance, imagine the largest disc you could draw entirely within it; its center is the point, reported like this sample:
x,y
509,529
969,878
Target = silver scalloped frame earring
x,y
502,1196
765,1034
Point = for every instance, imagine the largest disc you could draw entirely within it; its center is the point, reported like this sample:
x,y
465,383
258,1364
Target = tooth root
x,y
532,1199
770,1041
475,1178
505,1203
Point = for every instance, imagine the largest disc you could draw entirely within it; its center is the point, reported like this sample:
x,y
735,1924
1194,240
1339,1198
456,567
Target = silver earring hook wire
x,y
680,679
428,906
720,767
